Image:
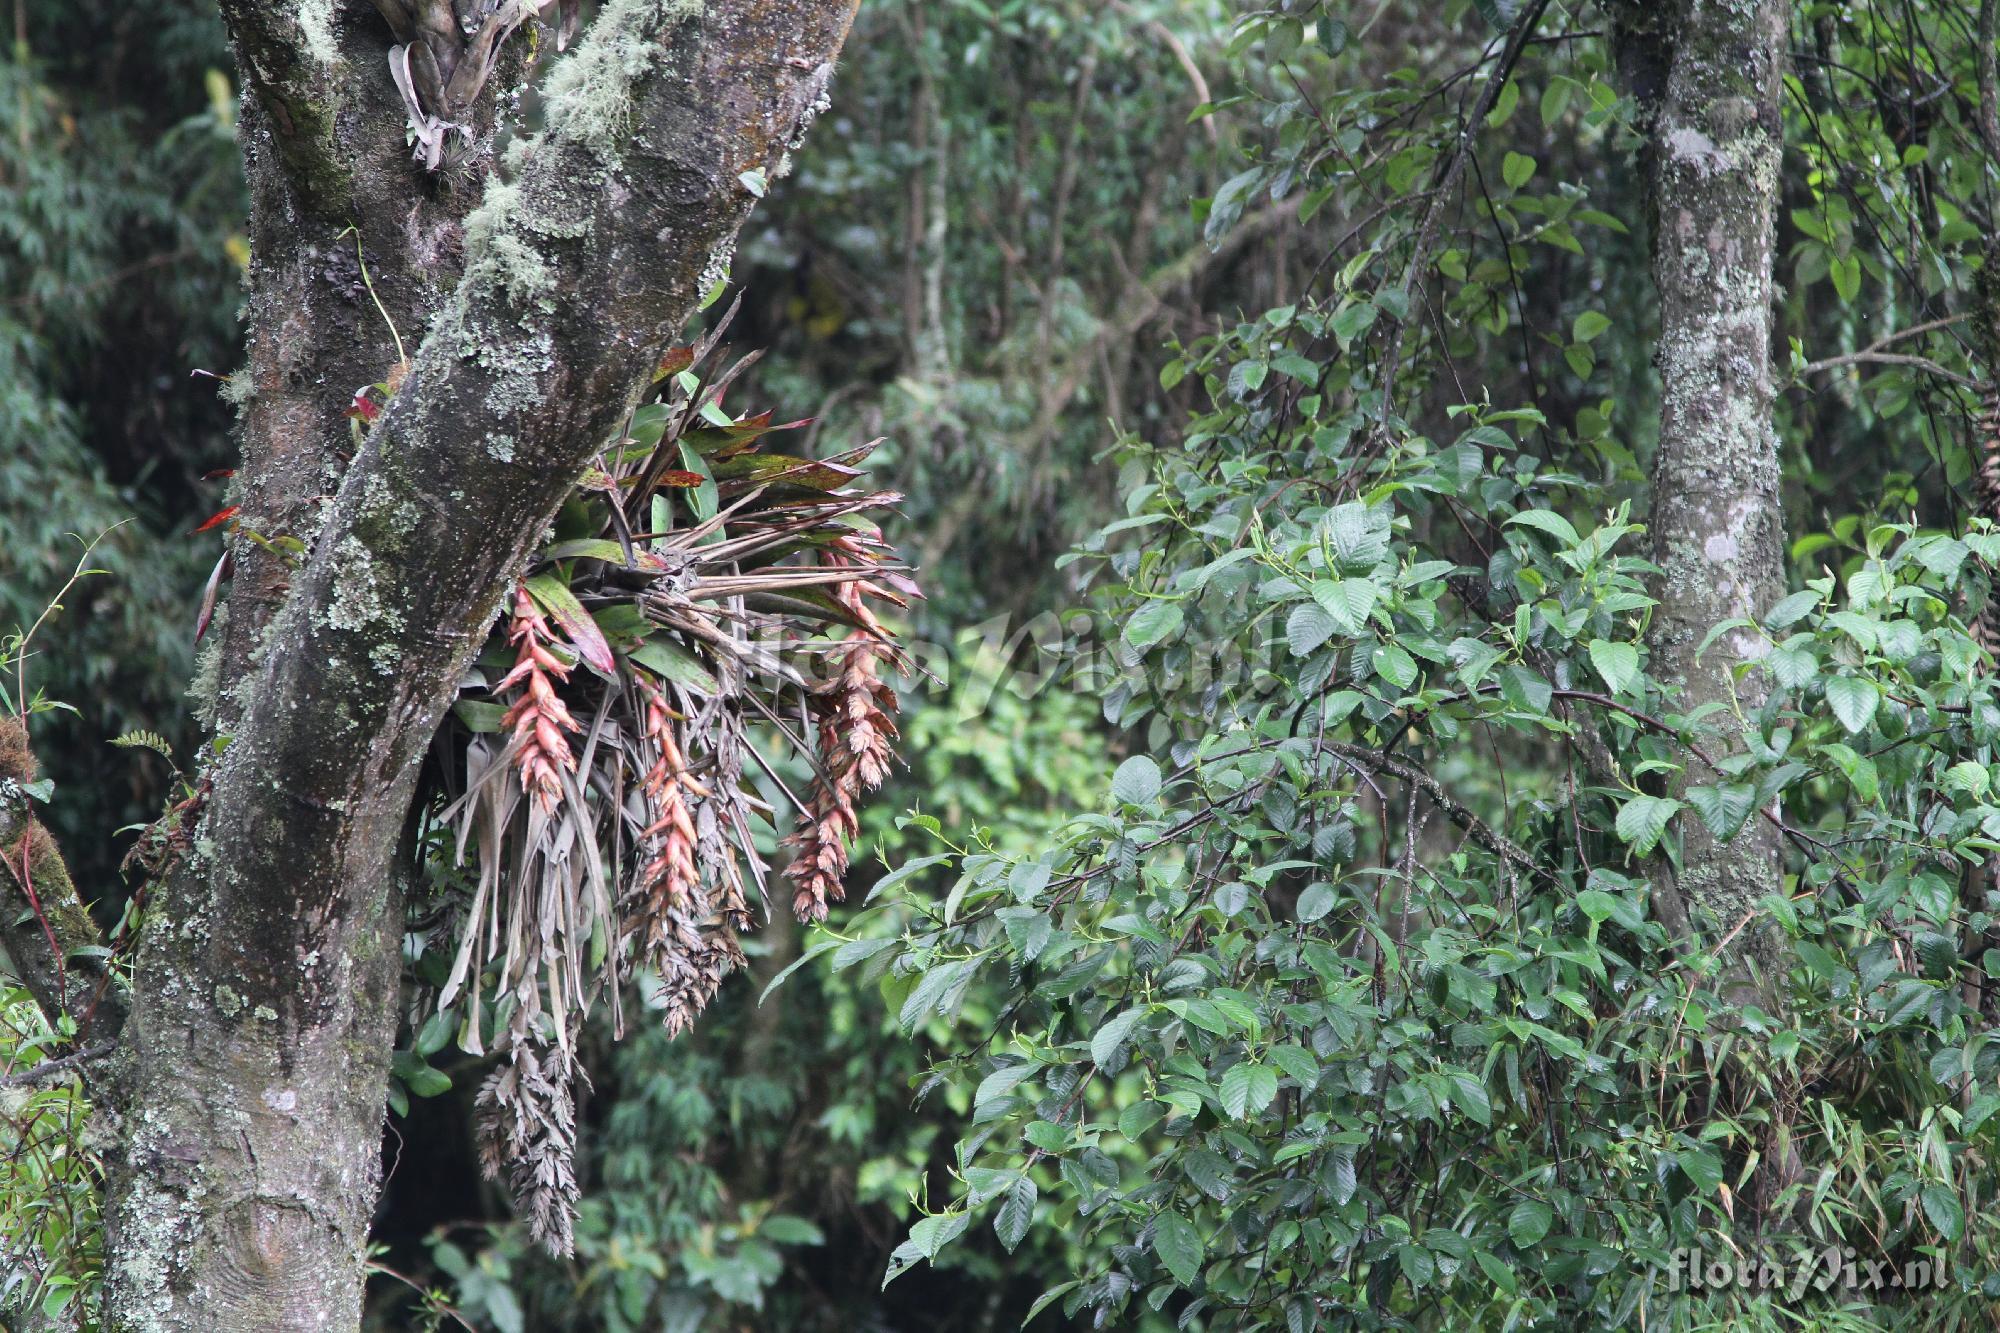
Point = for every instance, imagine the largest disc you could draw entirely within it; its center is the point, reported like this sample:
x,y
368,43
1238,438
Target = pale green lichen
x,y
358,605
316,26
228,1003
501,446
238,390
502,259
516,366
204,690
589,95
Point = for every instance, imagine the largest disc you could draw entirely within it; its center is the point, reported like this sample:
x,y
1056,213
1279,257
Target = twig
x,y
1475,827
1922,363
49,1069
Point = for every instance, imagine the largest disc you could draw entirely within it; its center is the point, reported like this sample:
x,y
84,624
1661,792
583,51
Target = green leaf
x,y
671,662
1353,321
426,1081
595,548
1555,101
931,1234
1246,377
1348,601
1704,1168
1108,1041
1315,902
554,597
1470,1094
1524,689
1846,275
1966,777
1248,1089
1050,1297
1179,1246
1309,626
1017,1211
1853,701
1596,904
1643,819
1516,169
784,1229
1942,1207
1617,663
1550,522
1589,326
1529,1222
1154,622
1724,809
1394,665
1497,1272
479,716
1137,781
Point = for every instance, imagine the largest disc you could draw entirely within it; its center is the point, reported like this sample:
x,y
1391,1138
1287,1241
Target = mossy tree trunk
x,y
532,302
1708,76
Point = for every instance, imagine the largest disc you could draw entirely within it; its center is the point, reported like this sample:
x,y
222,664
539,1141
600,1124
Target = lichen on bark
x,y
1708,74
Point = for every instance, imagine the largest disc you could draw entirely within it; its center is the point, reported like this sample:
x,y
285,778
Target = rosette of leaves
x,y
702,605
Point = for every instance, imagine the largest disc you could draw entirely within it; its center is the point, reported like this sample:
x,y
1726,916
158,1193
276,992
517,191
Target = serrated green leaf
x,y
1643,819
1137,781
1153,623
1108,1042
1617,663
1016,1212
1853,700
1723,809
1307,628
1942,1207
1394,665
1179,1246
1248,1089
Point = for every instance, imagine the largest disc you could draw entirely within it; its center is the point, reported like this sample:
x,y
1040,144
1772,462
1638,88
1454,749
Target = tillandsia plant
x,y
701,598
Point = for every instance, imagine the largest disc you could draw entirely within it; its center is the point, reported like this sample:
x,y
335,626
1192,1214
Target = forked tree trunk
x,y
247,1096
1708,75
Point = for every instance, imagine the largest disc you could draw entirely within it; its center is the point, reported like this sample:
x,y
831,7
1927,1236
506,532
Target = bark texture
x,y
256,1057
1708,74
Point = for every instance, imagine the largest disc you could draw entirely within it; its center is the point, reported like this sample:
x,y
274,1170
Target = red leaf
x,y
219,474
675,361
676,477
217,520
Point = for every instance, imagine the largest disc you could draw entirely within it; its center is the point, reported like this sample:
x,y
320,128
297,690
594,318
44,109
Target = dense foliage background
x,y
1271,945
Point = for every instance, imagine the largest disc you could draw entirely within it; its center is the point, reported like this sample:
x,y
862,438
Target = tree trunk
x,y
249,1091
1709,77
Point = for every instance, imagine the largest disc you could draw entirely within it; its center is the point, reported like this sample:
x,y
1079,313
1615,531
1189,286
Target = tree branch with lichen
x,y
290,59
268,995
